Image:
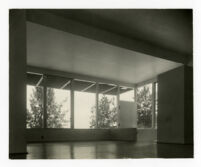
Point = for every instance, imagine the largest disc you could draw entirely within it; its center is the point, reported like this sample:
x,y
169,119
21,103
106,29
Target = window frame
x,y
152,81
97,85
42,112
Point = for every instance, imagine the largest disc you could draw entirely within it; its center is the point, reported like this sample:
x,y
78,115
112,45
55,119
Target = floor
x,y
106,150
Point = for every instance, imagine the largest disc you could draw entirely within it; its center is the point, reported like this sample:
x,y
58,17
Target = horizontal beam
x,y
49,19
76,76
34,73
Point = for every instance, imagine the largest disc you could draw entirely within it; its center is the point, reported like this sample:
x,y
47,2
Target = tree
x,y
144,107
107,117
55,116
34,115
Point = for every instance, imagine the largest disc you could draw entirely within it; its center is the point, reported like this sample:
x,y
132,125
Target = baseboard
x,y
21,155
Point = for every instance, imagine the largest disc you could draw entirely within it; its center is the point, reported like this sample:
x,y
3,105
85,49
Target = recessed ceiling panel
x,y
58,50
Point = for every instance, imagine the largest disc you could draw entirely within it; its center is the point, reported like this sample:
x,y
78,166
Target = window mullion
x,y
118,106
72,104
153,104
44,102
97,111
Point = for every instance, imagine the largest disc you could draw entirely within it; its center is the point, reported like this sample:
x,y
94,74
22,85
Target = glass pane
x,y
156,103
58,108
126,94
144,106
34,107
85,110
107,108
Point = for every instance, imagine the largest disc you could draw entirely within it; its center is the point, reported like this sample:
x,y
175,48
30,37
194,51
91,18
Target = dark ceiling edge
x,y
91,16
43,17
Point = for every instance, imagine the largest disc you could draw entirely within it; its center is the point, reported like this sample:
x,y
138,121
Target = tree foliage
x,y
107,117
107,109
55,116
144,107
35,113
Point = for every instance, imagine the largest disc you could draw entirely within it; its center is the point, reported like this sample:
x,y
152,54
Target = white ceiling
x,y
58,50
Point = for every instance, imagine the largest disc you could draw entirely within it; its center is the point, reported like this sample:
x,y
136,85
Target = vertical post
x,y
44,102
156,106
97,111
153,104
17,81
72,103
135,93
118,106
135,97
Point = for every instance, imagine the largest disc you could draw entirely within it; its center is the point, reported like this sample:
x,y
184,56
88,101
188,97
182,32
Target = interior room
x,y
100,83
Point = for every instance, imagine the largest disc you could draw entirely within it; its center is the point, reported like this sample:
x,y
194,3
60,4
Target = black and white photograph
x,y
101,83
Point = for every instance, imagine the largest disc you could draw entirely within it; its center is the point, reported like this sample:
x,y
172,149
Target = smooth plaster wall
x,y
57,50
128,114
173,122
17,81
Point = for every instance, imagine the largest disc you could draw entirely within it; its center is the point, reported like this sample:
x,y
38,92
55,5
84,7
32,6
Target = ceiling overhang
x,y
44,17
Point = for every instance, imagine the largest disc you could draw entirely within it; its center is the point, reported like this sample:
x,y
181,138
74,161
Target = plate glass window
x,y
84,104
58,102
107,106
144,106
34,118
